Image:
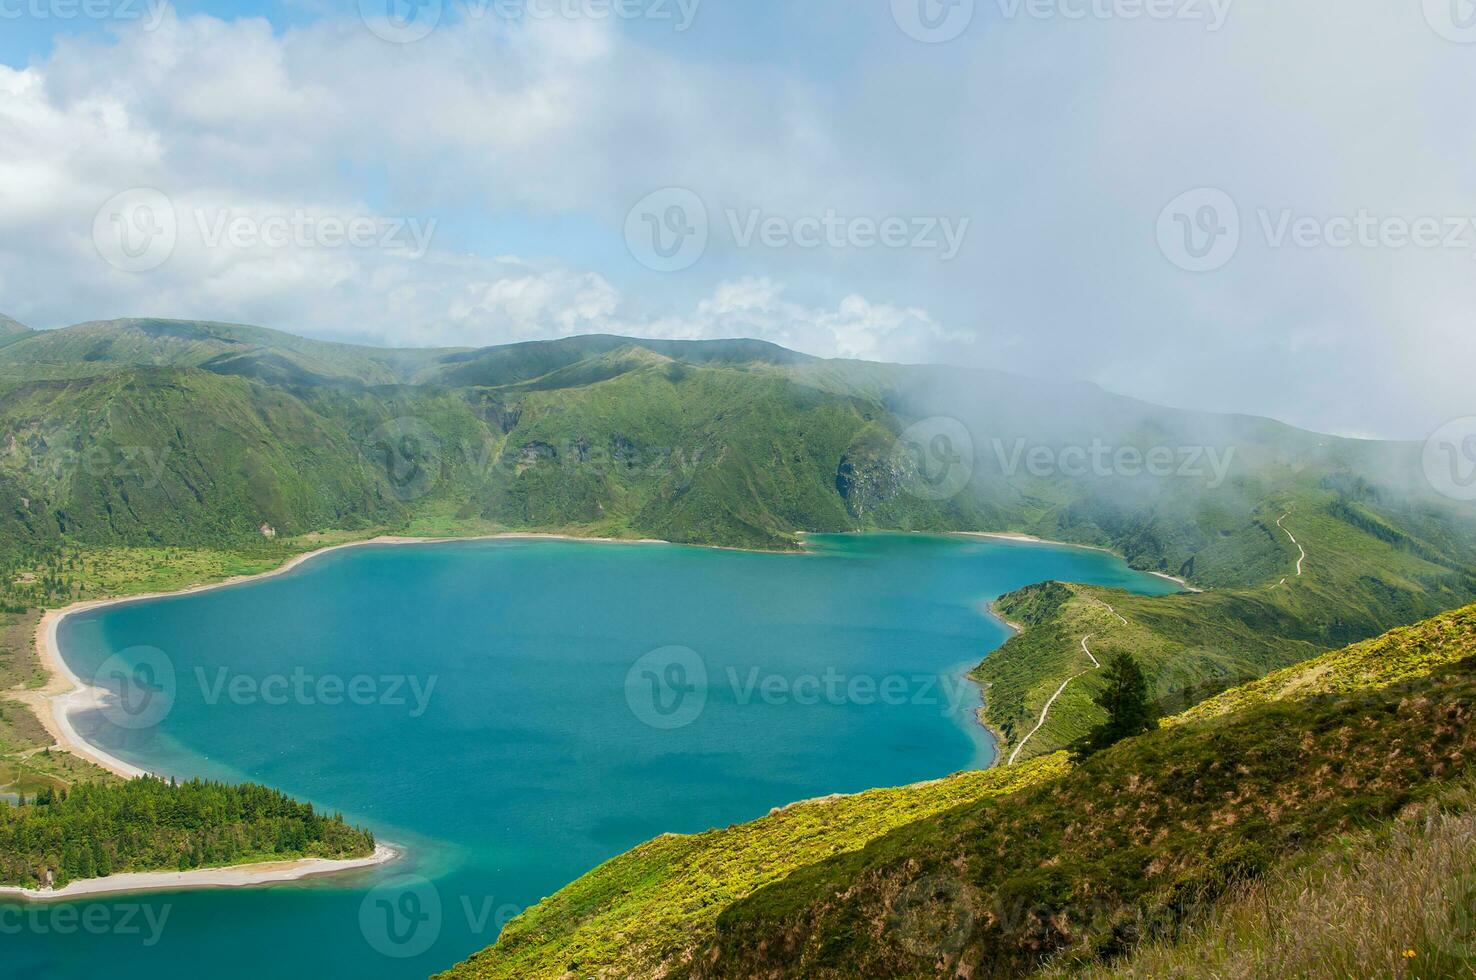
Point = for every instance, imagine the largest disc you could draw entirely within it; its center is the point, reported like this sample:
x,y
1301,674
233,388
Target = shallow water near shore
x,y
516,712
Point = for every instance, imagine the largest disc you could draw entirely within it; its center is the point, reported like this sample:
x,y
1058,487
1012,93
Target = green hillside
x,y
11,331
716,442
1016,864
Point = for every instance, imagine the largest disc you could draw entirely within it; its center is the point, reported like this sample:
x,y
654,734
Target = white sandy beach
x,y
1032,539
241,876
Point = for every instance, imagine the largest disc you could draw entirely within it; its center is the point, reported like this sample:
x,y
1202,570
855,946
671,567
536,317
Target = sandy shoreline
x,y
240,876
1032,539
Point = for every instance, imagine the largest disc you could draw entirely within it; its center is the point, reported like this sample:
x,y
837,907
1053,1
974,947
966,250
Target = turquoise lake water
x,y
514,713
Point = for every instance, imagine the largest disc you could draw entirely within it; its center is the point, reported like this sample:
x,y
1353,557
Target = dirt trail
x,y
1294,541
1045,712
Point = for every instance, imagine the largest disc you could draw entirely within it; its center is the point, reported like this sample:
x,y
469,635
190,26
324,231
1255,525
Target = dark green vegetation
x,y
151,432
1124,699
1191,646
1123,848
95,830
643,909
1396,900
1072,862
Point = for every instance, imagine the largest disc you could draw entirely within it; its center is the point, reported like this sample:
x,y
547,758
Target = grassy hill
x,y
715,442
1001,872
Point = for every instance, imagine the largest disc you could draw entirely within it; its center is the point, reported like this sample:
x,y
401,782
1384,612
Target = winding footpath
x,y
1294,541
1113,612
1045,712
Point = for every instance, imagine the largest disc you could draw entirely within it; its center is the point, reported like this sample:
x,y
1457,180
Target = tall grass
x,y
1399,902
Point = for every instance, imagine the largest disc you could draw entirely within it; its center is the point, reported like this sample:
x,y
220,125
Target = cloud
x,y
525,145
245,131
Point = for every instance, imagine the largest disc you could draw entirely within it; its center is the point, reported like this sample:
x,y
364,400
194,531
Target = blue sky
x,y
1232,205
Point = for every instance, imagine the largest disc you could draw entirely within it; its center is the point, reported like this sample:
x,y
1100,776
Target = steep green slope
x,y
642,909
1360,577
1397,900
1127,845
1031,857
150,456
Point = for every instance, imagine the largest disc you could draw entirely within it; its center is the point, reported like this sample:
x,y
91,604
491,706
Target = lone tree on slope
x,y
1130,711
